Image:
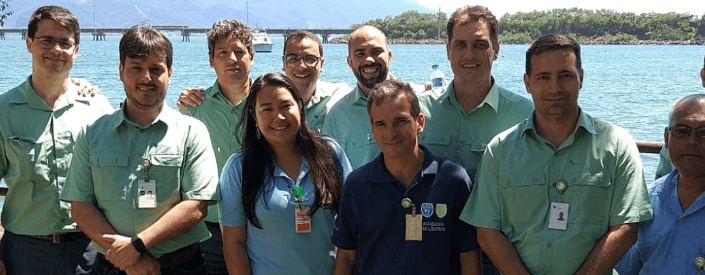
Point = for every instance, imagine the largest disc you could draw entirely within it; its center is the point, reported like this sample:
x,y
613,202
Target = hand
x,y
146,265
122,254
85,88
190,98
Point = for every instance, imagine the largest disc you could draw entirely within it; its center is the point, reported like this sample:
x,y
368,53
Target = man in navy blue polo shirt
x,y
400,213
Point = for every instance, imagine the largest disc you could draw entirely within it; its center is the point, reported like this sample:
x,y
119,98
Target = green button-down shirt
x,y
515,186
349,124
36,145
221,118
107,166
461,136
322,101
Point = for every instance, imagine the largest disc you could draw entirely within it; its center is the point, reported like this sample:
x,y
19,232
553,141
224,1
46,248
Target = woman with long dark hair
x,y
280,192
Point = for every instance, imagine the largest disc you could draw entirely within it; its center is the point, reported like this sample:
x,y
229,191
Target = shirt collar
x,y
379,172
216,89
30,96
167,116
358,97
584,122
491,99
317,95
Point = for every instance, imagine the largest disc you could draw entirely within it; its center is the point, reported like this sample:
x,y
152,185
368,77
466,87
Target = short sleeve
x,y
630,200
3,158
464,235
200,172
341,159
483,206
231,212
347,226
79,182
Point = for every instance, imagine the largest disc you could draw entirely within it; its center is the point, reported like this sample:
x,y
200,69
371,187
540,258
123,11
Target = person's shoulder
x,y
432,94
359,176
514,98
657,186
614,132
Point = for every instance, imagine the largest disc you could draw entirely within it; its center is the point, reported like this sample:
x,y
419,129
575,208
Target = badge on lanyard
x,y
413,223
147,191
558,214
302,216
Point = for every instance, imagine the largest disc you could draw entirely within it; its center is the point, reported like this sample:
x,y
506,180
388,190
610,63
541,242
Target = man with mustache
x,y
558,160
39,122
672,243
368,58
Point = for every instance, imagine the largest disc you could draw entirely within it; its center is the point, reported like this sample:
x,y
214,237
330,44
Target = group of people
x,y
288,174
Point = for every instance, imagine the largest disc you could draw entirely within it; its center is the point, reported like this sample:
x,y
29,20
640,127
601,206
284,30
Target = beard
x,y
370,83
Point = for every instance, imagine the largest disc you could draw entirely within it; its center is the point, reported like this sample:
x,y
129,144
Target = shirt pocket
x,y
589,196
110,177
165,169
524,197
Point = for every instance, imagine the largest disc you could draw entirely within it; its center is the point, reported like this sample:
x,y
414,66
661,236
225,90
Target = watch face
x,y
139,245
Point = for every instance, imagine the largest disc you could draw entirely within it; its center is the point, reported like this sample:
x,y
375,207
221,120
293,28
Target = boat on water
x,y
261,41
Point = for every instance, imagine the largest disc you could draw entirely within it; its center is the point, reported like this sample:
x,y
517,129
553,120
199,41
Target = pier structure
x,y
99,33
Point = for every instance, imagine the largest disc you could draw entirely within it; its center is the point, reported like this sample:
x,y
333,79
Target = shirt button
x,y
548,245
670,257
680,220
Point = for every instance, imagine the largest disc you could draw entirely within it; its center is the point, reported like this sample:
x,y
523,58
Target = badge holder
x,y
302,215
558,217
147,191
413,222
699,264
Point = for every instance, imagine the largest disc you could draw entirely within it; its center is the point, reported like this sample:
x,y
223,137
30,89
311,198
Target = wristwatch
x,y
139,245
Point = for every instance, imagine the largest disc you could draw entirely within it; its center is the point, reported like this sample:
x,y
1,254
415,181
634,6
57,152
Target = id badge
x,y
303,219
147,196
558,217
413,227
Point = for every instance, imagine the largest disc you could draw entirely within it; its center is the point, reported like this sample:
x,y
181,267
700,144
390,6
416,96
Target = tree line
x,y
581,24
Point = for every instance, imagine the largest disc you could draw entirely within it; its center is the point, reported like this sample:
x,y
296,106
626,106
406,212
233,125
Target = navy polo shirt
x,y
372,220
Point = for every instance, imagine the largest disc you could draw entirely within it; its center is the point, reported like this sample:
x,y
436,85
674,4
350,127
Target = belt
x,y
180,256
59,237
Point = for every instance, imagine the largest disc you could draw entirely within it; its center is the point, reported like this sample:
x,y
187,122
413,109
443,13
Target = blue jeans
x,y
26,255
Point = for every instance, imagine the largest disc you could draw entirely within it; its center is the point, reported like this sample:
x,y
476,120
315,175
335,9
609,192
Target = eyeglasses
x,y
682,132
309,60
49,42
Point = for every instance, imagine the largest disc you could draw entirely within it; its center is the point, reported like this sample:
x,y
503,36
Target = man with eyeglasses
x,y
673,243
39,122
303,64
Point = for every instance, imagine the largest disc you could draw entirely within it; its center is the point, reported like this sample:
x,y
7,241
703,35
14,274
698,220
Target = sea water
x,y
630,86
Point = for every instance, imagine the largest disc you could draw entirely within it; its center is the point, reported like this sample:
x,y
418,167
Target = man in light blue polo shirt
x,y
463,117
141,178
39,122
673,242
561,192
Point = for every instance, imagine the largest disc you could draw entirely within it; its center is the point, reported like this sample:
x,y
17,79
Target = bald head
x,y
686,105
366,33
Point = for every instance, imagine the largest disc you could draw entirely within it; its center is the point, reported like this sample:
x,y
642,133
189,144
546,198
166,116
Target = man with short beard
x,y
368,58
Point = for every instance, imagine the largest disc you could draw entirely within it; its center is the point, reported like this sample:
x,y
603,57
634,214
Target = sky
x,y
500,7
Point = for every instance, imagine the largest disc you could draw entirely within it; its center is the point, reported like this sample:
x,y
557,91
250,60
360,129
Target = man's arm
x,y
235,249
345,261
190,98
92,222
611,247
501,251
470,263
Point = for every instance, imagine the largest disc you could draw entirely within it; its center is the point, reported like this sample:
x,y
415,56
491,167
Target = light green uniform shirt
x,y
461,136
515,186
664,164
349,124
221,118
36,145
108,164
322,101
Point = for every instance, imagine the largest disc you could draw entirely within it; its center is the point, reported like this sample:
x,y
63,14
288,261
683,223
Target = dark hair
x,y
301,35
60,15
552,42
141,42
223,29
258,159
393,88
464,15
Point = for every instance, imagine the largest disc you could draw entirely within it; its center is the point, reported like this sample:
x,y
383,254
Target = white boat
x,y
261,41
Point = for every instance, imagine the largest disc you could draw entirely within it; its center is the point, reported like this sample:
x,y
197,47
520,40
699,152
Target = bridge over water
x,y
99,33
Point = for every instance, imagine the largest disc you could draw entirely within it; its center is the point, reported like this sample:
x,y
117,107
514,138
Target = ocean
x,y
631,86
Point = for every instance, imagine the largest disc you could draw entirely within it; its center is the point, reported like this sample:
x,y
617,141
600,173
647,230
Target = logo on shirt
x,y
427,209
441,210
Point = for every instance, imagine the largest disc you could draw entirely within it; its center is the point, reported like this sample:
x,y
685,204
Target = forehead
x,y
151,59
689,113
471,30
269,94
49,27
302,45
230,42
366,40
392,106
552,60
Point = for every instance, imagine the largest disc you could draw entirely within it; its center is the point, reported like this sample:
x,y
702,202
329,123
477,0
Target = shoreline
x,y
344,40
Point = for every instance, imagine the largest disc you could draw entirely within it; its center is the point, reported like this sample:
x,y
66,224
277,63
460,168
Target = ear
x,y
283,63
448,50
421,120
120,70
702,76
527,80
665,138
582,73
350,63
320,63
28,41
210,60
495,46
390,56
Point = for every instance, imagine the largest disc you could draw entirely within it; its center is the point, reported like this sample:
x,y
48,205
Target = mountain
x,y
202,13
